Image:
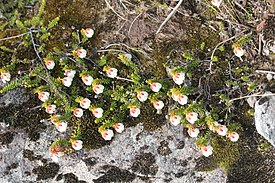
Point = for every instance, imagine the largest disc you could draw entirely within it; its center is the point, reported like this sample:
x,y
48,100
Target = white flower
x,y
107,134
81,53
70,73
88,32
5,76
155,87
142,96
43,96
134,111
112,72
67,81
98,89
85,103
239,51
54,154
50,109
233,136
158,104
182,100
78,112
61,126
97,112
207,150
54,158
222,130
216,3
119,127
193,132
175,97
179,78
213,126
77,144
49,64
175,120
87,79
191,117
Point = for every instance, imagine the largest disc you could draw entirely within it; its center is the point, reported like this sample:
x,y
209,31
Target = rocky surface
x,y
136,155
264,118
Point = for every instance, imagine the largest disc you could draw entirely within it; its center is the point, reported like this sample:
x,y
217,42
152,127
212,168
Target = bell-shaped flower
x,y
155,87
85,103
222,130
182,100
50,109
112,72
88,32
233,136
67,81
49,64
61,126
179,78
175,120
77,144
119,127
97,112
134,111
55,154
78,112
5,76
239,51
216,3
81,53
207,150
193,132
43,96
98,89
87,79
191,117
70,73
158,105
107,134
142,96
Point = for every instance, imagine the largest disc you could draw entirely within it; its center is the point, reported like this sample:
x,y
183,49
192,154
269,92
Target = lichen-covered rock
x,y
264,118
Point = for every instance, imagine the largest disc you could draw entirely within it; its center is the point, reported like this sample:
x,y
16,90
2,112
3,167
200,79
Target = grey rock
x,y
265,118
16,97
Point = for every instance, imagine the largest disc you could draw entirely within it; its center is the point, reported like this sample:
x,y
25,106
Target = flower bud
x,y
239,51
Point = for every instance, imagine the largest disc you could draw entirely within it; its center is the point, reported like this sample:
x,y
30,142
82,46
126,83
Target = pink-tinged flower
x,y
134,111
119,127
182,100
78,112
81,53
97,112
55,153
112,72
70,73
43,96
87,79
61,126
179,78
85,103
216,3
158,105
67,81
191,117
77,144
50,109
175,120
142,96
207,150
155,87
107,134
233,136
88,32
5,76
222,130
49,64
175,97
239,51
98,89
193,132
